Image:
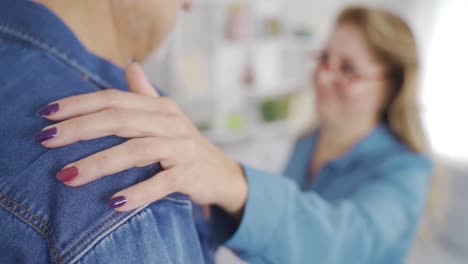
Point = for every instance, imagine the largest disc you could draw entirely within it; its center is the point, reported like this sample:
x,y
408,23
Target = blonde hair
x,y
393,44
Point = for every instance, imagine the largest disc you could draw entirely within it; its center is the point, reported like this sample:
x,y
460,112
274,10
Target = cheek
x,y
323,88
361,98
327,100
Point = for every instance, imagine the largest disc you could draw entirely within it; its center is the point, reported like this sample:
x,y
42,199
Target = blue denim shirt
x,y
362,207
42,220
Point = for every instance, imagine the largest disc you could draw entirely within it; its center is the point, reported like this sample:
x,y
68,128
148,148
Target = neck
x,y
335,139
93,24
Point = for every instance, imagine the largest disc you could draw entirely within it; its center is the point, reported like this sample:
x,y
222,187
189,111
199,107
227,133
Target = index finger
x,y
141,96
84,104
138,82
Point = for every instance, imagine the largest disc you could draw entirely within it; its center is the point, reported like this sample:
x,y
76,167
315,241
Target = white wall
x,y
445,81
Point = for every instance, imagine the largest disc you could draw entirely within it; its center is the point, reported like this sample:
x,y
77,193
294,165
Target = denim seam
x,y
38,219
8,30
91,238
81,247
76,247
43,228
44,231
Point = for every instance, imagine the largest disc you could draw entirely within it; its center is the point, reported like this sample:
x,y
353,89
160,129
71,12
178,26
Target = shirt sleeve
x,y
282,224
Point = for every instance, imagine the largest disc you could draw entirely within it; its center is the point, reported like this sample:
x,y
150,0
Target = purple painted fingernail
x,y
48,110
45,135
117,202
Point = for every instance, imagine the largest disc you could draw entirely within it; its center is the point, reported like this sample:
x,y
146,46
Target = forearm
x,y
284,224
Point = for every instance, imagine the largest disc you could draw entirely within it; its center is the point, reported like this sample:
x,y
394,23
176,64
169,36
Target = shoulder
x,y
407,160
73,219
385,157
35,73
30,79
386,151
401,157
404,167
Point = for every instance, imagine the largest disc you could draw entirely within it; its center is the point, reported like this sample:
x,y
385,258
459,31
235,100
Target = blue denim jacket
x,y
42,220
361,208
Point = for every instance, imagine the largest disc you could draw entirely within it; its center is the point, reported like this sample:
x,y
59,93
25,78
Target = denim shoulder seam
x,y
24,214
19,35
80,248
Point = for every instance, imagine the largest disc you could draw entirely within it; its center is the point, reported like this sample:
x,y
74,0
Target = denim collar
x,y
379,140
36,26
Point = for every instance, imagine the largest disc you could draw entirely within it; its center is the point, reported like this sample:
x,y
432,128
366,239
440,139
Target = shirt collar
x,y
379,140
35,25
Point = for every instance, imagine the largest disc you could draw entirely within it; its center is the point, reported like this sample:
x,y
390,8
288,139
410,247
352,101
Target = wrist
x,y
233,190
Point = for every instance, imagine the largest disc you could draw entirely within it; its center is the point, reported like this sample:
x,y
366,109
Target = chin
x,y
324,114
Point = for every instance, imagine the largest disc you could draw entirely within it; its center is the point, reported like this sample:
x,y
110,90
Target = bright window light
x,y
445,82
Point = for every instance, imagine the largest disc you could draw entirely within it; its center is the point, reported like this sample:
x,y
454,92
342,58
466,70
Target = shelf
x,y
195,98
292,44
251,92
283,42
278,129
276,61
259,93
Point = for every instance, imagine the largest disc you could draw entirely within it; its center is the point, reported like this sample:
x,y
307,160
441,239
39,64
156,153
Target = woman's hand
x,y
158,131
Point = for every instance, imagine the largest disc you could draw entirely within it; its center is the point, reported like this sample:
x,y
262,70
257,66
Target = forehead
x,y
348,42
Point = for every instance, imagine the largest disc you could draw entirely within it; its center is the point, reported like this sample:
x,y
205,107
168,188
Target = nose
x,y
326,77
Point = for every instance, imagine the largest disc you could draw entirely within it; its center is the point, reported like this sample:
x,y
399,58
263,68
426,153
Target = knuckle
x,y
190,143
173,182
118,116
177,121
102,161
169,104
189,146
180,124
73,127
134,146
111,96
117,119
140,148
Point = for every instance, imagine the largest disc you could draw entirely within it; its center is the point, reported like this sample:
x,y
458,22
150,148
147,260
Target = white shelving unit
x,y
192,75
208,70
204,69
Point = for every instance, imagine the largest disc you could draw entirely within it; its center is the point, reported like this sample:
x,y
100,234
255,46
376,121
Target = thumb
x,y
137,81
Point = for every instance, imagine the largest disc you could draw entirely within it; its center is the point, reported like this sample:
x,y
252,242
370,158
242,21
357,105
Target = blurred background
x,y
241,71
